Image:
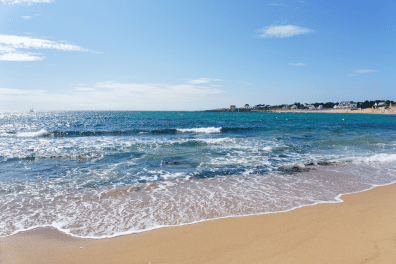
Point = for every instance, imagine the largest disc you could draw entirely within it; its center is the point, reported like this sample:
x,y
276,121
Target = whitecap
x,y
207,130
382,158
40,133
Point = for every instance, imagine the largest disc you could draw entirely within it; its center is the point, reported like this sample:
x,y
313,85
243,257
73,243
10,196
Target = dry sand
x,y
360,230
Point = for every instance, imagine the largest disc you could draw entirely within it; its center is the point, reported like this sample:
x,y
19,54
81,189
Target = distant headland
x,y
369,107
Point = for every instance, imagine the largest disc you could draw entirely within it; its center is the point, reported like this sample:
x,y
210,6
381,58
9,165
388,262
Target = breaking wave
x,y
73,133
206,130
40,133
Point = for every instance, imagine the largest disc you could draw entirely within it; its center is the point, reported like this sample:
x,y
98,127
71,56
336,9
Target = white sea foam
x,y
381,158
218,140
40,133
109,212
268,148
206,130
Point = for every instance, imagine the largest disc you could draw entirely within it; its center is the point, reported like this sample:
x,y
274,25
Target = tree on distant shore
x,y
329,105
262,107
365,104
299,106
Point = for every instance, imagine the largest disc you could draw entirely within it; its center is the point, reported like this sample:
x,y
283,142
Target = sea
x,y
100,174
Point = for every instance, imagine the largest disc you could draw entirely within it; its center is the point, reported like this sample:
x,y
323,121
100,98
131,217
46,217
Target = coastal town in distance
x,y
368,107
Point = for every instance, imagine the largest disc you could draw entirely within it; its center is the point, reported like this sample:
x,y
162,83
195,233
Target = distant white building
x,y
311,107
381,104
294,107
232,107
320,107
346,105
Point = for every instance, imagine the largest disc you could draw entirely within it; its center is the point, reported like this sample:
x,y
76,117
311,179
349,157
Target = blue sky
x,y
193,55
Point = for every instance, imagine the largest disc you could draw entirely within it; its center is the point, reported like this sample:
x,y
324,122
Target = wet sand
x,y
360,230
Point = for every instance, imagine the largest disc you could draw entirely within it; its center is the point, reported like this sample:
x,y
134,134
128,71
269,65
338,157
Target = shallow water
x,y
101,174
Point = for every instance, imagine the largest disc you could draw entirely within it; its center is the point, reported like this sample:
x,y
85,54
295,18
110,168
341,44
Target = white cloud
x,y
18,42
121,96
10,2
12,48
365,70
153,91
85,89
8,91
245,82
30,17
203,81
298,64
19,56
282,31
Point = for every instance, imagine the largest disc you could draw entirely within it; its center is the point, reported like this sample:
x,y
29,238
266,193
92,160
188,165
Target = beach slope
x,y
360,230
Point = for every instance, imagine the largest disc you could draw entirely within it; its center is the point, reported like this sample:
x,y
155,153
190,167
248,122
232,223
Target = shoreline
x,y
312,170
391,111
232,239
337,199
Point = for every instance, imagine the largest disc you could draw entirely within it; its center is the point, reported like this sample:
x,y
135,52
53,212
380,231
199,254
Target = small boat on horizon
x,y
31,110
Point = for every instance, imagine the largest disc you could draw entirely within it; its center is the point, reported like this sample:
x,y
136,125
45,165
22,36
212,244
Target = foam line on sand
x,y
360,230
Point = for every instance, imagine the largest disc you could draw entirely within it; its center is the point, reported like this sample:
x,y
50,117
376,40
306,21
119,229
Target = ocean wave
x,y
376,158
40,133
235,129
345,159
76,133
117,210
210,130
90,133
206,130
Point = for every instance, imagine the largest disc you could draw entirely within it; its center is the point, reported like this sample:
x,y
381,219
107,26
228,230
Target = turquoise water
x,y
101,174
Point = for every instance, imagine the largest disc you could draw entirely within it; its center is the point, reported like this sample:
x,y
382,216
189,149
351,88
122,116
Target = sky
x,y
193,55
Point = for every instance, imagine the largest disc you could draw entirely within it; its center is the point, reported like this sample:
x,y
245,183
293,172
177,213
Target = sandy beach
x,y
360,230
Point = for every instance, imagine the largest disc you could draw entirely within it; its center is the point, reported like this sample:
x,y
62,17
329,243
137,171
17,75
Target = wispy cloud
x,y
298,64
13,48
18,42
245,82
19,56
85,89
282,31
8,91
358,72
365,71
10,2
30,17
116,95
203,81
158,90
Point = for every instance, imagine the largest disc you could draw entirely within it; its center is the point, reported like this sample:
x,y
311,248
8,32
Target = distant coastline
x,y
345,107
389,111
